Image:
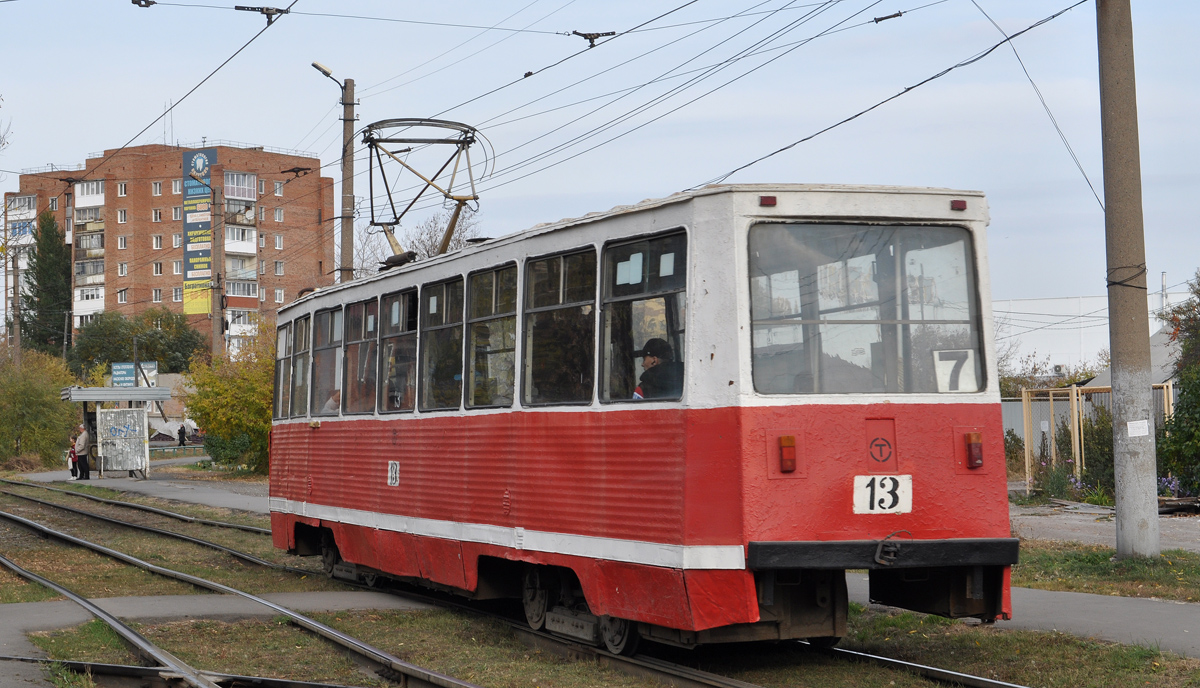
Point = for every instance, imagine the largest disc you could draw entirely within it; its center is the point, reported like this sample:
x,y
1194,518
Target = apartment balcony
x,y
242,247
88,280
243,274
244,217
85,253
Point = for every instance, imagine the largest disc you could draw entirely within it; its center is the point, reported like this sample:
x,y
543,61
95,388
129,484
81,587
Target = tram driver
x,y
663,376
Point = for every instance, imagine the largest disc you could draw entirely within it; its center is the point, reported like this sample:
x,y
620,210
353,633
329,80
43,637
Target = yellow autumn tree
x,y
229,397
34,420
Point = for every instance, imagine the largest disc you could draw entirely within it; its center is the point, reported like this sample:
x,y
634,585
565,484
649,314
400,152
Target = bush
x,y
34,420
1014,452
229,452
1179,444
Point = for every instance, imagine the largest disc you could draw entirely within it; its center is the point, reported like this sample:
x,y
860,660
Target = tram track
x,y
670,673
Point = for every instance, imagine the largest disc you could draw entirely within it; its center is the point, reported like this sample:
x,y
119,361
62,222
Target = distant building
x,y
126,223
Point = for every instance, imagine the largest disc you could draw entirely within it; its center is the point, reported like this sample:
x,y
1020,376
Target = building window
x,y
262,213
158,268
86,268
54,203
121,189
177,294
262,296
157,239
92,188
122,269
236,233
262,267
123,296
25,204
279,214
122,243
90,241
156,215
262,187
86,215
278,188
241,288
176,186
90,294
177,267
176,240
156,188
156,296
122,216
279,267
177,213
240,185
278,296
278,242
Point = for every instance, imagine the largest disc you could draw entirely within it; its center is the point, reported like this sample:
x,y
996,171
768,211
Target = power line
x,y
964,63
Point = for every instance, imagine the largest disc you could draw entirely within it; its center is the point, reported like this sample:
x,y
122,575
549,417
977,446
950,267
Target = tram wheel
x,y
824,642
330,556
372,580
620,635
535,597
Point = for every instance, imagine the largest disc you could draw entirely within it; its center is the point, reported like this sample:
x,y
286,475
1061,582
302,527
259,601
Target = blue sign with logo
x,y
124,375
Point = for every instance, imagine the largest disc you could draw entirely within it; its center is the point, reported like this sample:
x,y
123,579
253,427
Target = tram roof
x,y
640,206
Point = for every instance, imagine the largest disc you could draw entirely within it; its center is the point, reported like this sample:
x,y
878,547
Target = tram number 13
x,y
882,494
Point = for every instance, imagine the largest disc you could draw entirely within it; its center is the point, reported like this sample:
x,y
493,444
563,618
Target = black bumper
x,y
898,553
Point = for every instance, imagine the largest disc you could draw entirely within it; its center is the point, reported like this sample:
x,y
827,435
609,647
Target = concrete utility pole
x,y
16,259
346,264
216,305
1129,341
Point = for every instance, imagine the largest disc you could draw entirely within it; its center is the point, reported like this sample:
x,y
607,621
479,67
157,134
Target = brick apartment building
x,y
125,221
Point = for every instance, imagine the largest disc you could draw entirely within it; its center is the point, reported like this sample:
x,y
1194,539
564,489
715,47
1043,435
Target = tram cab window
x,y
398,344
300,367
327,360
645,306
863,309
441,345
492,337
360,366
560,326
283,370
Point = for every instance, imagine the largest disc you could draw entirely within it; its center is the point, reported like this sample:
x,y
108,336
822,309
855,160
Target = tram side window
x,y
843,309
327,358
441,345
362,329
560,327
645,307
492,337
300,366
283,369
398,344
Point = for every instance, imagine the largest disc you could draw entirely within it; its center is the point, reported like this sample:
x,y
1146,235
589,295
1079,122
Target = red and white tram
x,y
683,419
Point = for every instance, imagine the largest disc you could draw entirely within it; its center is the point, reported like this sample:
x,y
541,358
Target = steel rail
x,y
168,661
225,680
159,531
943,675
410,671
143,507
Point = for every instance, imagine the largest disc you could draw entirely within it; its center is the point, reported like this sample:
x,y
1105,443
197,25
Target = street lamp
x,y
346,268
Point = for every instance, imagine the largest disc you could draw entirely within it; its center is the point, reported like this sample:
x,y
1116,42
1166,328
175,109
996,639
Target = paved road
x,y
1095,526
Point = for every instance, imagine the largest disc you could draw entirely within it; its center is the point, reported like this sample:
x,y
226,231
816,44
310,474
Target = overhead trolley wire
x,y
972,60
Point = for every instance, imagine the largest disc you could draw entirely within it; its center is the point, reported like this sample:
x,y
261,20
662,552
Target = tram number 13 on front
x,y
882,494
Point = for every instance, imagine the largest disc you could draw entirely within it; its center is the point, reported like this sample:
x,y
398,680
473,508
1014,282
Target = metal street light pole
x,y
346,265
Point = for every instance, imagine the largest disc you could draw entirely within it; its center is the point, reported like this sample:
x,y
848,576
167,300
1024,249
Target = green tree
x,y
1179,446
162,336
46,306
230,399
34,421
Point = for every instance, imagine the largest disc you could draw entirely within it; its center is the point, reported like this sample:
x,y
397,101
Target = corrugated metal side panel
x,y
613,474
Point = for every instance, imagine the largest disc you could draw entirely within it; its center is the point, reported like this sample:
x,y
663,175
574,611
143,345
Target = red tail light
x,y
974,449
787,454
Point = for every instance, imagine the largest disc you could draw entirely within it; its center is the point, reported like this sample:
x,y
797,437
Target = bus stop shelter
x,y
120,436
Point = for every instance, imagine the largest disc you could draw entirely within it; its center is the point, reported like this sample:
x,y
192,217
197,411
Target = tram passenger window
x,y
441,345
560,326
362,329
300,367
492,339
645,306
327,363
858,309
283,370
398,344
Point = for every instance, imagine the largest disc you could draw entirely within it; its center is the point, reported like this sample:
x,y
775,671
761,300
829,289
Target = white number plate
x,y
393,473
882,494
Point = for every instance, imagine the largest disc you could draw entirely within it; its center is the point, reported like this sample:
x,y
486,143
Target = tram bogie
x,y
682,420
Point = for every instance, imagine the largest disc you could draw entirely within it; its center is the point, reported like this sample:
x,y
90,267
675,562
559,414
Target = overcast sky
x,y
84,76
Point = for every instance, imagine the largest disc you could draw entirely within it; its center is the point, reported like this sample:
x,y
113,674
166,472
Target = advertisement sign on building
x,y
197,230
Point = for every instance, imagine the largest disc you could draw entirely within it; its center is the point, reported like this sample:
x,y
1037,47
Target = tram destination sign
x,y
197,230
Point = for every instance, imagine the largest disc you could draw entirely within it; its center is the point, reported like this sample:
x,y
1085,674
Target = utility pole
x,y
1129,340
346,265
216,305
16,259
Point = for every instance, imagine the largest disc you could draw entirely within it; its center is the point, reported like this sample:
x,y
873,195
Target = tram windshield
x,y
863,309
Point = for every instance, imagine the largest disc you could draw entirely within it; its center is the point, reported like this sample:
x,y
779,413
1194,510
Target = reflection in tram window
x,y
300,367
845,309
644,316
441,345
358,388
327,359
398,343
560,324
492,339
283,369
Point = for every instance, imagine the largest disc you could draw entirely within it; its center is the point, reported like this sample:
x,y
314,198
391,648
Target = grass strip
x,y
1077,567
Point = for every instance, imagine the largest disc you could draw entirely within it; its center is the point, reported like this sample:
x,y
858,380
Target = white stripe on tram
x,y
730,557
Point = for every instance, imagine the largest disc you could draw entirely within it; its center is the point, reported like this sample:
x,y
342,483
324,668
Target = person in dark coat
x,y
182,435
663,376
